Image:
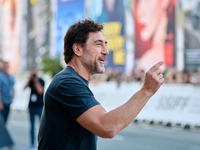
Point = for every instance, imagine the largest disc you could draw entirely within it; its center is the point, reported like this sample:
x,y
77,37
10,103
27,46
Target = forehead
x,y
94,36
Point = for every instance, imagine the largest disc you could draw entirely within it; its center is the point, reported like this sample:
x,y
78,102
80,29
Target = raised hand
x,y
153,79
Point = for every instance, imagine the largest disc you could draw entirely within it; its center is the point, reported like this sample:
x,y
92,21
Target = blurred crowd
x,y
171,75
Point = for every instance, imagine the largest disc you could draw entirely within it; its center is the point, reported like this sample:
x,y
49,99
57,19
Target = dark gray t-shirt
x,y
67,97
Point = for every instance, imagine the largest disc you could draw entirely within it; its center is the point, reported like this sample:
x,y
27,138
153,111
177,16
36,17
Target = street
x,y
137,136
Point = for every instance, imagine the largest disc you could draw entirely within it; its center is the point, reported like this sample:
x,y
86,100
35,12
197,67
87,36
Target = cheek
x,y
90,57
94,53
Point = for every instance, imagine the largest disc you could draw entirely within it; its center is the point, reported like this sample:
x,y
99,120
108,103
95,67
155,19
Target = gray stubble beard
x,y
96,69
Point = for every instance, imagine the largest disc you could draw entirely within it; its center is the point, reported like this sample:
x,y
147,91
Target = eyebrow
x,y
100,41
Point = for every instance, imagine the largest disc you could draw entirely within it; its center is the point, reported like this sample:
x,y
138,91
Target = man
x,y
72,117
36,85
6,90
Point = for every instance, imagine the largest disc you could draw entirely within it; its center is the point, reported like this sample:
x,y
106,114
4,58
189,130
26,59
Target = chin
x,y
103,70
100,70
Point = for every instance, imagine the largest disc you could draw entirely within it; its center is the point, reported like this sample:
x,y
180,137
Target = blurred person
x,y
141,76
97,78
36,84
170,75
194,78
6,97
131,77
6,90
191,74
109,74
185,76
179,77
154,32
198,76
72,117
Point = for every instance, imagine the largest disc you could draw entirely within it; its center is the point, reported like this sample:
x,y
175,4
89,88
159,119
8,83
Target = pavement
x,y
138,135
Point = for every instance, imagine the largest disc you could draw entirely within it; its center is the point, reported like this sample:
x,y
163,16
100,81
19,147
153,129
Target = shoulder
x,y
72,85
69,75
1,73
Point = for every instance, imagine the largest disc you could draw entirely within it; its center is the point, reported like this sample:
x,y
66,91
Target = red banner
x,y
154,32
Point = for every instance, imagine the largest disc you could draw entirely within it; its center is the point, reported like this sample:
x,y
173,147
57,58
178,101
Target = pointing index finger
x,y
156,66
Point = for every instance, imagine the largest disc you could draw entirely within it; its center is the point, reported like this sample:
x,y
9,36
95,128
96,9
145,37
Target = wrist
x,y
146,92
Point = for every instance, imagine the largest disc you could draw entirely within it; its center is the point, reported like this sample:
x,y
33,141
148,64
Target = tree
x,y
51,65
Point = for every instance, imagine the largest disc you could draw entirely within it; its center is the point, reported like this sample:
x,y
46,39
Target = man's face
x,y
5,67
95,52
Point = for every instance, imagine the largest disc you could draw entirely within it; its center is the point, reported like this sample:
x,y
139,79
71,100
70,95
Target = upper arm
x,y
94,120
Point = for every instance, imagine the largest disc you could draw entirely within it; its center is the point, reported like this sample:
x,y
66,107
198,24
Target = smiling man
x,y
72,117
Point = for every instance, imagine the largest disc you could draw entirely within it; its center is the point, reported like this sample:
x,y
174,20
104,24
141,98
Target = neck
x,y
5,72
80,69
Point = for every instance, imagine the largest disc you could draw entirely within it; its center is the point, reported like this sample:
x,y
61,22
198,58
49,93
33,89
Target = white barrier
x,y
172,103
21,98
175,103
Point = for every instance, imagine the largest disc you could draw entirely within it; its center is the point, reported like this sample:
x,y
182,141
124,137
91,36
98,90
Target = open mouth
x,y
102,59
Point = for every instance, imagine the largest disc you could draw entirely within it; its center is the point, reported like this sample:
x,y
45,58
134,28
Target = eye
x,y
98,43
106,43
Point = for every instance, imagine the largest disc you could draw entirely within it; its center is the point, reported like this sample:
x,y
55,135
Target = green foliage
x,y
51,65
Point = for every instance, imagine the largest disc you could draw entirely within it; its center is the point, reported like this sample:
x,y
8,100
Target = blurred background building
x,y
34,29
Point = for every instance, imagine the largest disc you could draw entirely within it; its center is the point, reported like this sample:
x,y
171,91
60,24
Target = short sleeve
x,y
76,98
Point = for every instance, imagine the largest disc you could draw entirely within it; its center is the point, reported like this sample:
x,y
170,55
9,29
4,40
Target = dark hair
x,y
78,33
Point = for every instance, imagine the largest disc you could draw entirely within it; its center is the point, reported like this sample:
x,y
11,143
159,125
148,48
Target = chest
x,y
6,81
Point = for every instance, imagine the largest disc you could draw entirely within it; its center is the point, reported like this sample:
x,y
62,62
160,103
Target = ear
x,y
77,48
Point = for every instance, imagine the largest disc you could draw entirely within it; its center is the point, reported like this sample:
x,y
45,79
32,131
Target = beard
x,y
92,65
97,68
91,62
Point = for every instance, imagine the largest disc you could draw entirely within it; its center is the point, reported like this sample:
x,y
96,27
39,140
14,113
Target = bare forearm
x,y
27,84
122,116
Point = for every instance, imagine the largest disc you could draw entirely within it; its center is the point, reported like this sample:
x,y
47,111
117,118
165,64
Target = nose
x,y
105,50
